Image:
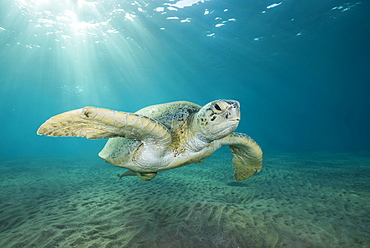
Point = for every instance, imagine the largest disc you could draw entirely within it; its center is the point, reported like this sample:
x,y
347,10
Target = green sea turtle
x,y
163,136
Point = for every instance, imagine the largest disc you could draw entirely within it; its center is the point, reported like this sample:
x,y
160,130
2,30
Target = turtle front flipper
x,y
247,153
100,123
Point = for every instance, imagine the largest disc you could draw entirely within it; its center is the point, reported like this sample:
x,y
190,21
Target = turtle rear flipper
x,y
100,123
247,153
145,176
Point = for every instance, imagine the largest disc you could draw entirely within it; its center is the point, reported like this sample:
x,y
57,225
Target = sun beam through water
x,y
96,49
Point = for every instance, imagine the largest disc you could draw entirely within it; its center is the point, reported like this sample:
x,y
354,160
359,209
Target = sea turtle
x,y
162,137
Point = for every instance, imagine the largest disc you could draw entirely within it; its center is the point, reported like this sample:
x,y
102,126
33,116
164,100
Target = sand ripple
x,y
298,200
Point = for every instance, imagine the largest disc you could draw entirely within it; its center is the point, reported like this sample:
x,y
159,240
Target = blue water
x,y
300,69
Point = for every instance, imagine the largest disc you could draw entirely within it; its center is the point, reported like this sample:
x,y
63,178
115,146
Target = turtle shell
x,y
172,115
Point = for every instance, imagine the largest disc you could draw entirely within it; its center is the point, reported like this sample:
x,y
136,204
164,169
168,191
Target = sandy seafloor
x,y
298,200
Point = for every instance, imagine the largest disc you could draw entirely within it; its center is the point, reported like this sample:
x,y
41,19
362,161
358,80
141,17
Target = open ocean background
x,y
300,69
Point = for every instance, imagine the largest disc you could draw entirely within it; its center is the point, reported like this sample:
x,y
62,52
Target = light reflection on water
x,y
98,22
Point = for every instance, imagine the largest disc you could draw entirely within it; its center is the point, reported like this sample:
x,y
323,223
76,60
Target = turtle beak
x,y
233,111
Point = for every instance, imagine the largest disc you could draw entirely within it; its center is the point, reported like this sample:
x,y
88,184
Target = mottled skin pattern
x,y
163,136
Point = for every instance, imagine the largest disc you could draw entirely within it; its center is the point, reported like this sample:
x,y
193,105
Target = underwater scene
x,y
184,123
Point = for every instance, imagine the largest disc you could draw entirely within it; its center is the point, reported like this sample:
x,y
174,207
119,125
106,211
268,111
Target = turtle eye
x,y
217,107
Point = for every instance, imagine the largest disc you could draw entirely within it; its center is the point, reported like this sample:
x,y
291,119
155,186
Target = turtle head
x,y
218,119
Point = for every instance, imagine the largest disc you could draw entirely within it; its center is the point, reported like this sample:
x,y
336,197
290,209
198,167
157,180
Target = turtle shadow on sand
x,y
237,184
